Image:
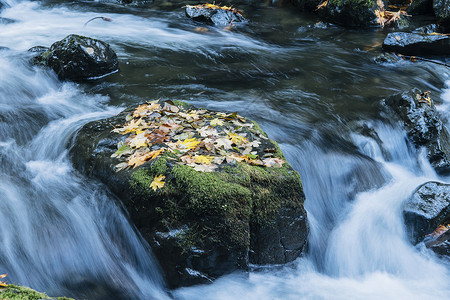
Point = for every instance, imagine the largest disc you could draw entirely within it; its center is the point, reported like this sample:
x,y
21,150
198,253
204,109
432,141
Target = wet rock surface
x,y
424,126
79,58
420,7
417,44
213,14
351,13
427,209
425,212
442,11
202,225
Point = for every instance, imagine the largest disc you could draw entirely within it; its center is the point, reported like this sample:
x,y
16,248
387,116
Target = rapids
x,y
310,87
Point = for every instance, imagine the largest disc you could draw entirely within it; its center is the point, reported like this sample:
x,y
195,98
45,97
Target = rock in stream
x,y
200,225
78,58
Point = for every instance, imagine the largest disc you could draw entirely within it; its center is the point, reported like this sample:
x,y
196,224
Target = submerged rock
x,y
214,14
245,208
427,209
15,292
424,126
417,44
79,58
442,11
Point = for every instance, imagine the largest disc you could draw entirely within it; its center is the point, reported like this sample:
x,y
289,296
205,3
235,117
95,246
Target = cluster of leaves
x,y
3,284
424,98
200,139
214,6
385,17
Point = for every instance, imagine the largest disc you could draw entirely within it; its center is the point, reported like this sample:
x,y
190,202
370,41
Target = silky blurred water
x,y
315,89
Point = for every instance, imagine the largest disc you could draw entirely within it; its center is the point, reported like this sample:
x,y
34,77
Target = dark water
x,y
314,88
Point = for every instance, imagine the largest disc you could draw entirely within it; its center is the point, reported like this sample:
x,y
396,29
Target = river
x,y
311,87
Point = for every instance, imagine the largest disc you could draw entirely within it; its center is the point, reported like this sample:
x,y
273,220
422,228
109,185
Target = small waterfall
x,y
60,232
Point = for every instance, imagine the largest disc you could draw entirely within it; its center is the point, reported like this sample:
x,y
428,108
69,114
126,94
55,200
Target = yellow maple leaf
x,y
139,158
216,122
141,110
130,127
189,143
239,140
203,159
158,182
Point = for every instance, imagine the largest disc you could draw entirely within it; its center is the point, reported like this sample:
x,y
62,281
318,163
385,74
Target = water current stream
x,y
311,87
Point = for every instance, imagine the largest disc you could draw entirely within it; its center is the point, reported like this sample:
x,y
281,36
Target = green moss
x,y
361,3
218,207
14,292
181,103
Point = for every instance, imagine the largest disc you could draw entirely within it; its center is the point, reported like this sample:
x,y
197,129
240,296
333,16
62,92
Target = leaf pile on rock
x,y
198,138
214,14
385,17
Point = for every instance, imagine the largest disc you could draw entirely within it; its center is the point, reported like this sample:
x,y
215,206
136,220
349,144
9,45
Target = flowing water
x,y
315,89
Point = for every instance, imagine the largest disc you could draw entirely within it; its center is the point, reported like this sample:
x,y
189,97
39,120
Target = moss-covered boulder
x,y
208,190
78,58
15,292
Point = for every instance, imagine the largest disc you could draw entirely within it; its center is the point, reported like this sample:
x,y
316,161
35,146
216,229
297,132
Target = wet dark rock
x,y
431,28
417,44
222,17
351,13
420,7
283,242
201,225
79,58
387,58
306,5
36,53
38,49
442,11
424,126
428,208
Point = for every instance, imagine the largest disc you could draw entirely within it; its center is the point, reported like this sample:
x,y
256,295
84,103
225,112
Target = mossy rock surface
x,y
15,292
351,13
202,225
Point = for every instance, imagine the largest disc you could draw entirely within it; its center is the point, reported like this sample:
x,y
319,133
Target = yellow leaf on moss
x,y
158,182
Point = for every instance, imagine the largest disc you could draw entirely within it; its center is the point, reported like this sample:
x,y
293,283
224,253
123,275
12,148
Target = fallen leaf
x,y
237,139
273,162
203,159
216,122
205,168
158,182
139,141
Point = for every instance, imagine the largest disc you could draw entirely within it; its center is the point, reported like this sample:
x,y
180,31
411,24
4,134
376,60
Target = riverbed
x,y
315,88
